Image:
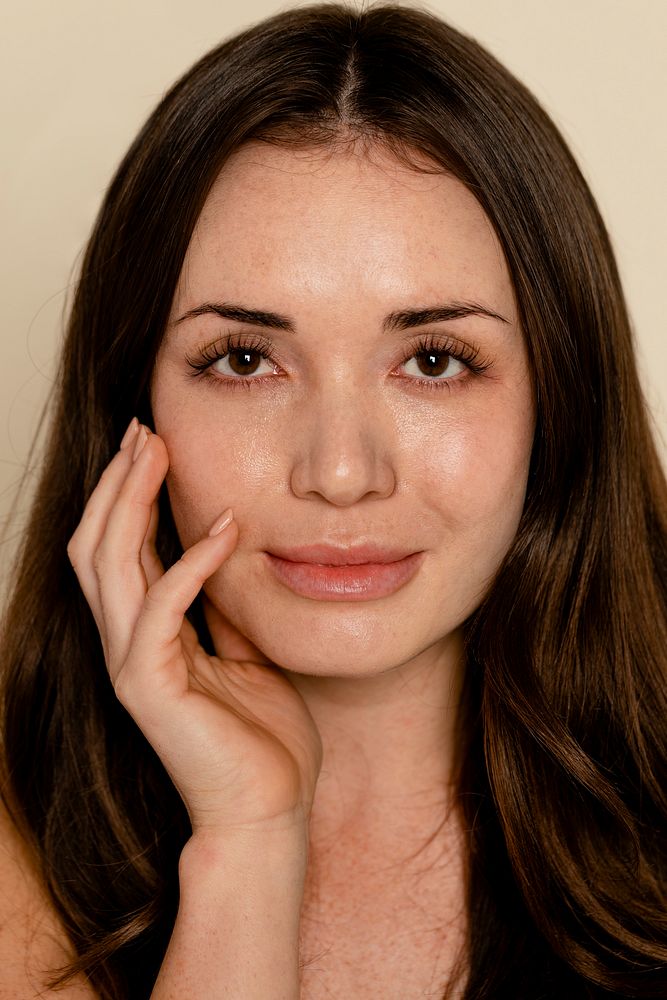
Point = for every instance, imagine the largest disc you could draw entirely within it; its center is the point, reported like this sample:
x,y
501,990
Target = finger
x,y
121,575
229,643
151,562
190,639
161,621
85,540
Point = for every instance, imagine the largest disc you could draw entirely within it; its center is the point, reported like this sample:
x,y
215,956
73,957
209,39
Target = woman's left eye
x,y
434,365
243,362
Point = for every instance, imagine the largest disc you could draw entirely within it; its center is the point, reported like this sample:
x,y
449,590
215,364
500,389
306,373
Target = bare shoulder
x,y
32,941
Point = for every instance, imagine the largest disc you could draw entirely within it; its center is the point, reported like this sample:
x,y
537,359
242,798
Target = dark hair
x,y
563,767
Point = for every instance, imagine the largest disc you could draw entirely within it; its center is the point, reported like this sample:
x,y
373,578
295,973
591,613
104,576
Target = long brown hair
x,y
563,767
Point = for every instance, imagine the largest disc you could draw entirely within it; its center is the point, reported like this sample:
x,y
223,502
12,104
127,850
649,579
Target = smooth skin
x,y
319,728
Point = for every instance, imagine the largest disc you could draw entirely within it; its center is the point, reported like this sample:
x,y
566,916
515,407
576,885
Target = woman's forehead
x,y
327,224
287,184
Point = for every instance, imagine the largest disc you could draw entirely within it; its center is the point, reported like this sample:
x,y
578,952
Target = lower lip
x,y
365,582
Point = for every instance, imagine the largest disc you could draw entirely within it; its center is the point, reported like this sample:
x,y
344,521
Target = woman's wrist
x,y
249,852
237,928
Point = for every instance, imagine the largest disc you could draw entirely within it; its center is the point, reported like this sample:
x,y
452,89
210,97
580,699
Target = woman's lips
x,y
359,582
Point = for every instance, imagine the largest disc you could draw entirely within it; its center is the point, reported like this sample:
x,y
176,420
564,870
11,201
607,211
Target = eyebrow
x,y
404,319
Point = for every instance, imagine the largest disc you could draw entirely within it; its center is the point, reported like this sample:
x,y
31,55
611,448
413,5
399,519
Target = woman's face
x,y
361,427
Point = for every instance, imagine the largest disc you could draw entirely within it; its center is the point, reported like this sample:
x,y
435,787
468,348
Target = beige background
x,y
80,77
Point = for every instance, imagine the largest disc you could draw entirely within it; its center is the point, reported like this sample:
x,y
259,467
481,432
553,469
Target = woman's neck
x,y
390,747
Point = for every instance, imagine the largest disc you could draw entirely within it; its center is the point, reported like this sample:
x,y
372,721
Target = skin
x,y
317,746
339,443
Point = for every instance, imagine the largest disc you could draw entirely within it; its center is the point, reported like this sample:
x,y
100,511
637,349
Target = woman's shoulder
x,y
33,943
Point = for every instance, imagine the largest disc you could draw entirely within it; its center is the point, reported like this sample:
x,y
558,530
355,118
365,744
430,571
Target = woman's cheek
x,y
475,471
222,466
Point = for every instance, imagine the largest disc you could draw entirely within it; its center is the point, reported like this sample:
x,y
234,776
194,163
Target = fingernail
x,y
222,522
142,438
130,433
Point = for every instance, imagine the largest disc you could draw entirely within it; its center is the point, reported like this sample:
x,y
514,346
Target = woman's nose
x,y
343,450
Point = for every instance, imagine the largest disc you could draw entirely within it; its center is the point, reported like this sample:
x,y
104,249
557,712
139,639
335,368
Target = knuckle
x,y
110,555
131,685
73,550
188,558
190,562
77,554
123,686
154,599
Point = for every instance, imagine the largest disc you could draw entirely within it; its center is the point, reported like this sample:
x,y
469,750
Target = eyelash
x,y
428,344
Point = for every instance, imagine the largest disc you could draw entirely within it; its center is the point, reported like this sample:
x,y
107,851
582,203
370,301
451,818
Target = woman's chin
x,y
335,651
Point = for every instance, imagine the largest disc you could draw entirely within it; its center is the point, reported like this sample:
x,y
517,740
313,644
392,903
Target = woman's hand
x,y
234,734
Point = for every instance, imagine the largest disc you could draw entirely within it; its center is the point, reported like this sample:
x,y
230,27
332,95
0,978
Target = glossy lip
x,y
359,581
335,555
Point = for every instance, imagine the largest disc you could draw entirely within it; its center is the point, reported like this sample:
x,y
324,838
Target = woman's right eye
x,y
243,362
233,363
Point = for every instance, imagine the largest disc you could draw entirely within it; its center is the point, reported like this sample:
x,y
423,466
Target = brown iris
x,y
437,362
244,363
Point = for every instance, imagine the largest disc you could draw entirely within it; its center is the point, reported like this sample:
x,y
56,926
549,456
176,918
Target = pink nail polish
x,y
142,438
222,522
130,433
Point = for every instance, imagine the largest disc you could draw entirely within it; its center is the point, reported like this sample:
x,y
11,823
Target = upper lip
x,y
332,555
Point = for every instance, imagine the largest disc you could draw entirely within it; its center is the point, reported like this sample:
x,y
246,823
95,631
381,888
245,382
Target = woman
x,y
395,720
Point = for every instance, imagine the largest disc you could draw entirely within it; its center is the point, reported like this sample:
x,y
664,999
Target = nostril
x,y
342,478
